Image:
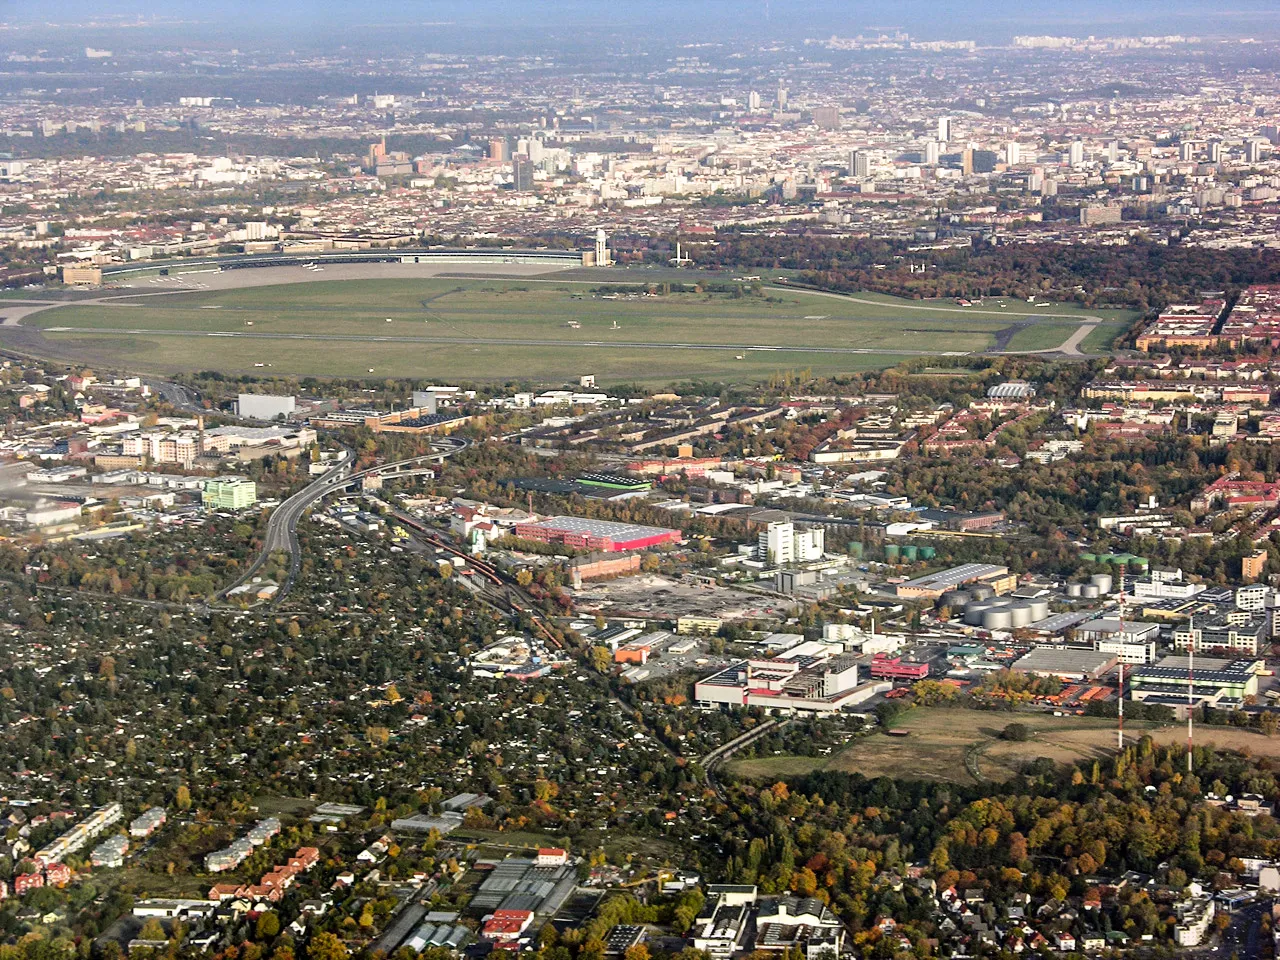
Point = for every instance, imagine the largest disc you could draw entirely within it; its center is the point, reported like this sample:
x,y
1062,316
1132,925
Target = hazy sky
x,y
969,19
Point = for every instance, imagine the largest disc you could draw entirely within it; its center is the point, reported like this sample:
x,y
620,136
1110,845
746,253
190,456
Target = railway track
x,y
507,592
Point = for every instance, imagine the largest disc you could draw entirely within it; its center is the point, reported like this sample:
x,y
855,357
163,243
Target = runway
x,y
492,341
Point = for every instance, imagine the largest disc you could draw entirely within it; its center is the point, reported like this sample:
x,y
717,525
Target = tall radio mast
x,y
1120,688
1191,690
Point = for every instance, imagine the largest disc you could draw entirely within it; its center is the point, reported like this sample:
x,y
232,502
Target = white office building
x,y
262,406
776,544
781,543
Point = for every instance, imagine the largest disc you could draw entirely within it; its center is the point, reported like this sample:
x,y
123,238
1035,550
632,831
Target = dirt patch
x,y
653,596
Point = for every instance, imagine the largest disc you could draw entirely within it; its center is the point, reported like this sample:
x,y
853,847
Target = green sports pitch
x,y
542,330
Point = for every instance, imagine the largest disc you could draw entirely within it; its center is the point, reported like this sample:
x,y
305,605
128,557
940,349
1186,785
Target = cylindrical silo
x,y
909,553
955,599
974,611
1020,614
981,592
891,551
1090,591
1073,589
997,618
1039,609
1102,581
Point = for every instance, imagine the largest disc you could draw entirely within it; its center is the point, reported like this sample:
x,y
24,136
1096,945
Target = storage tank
x,y
855,549
1090,591
1020,614
910,552
997,618
981,592
973,612
1102,581
1073,589
891,551
955,599
1039,609
928,553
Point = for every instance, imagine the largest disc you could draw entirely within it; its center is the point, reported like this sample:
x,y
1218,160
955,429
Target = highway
x,y
178,396
1243,937
282,525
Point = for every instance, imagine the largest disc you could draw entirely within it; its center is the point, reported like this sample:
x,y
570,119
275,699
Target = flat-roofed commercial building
x,y
1175,681
934,585
81,275
801,680
1066,664
1240,631
263,406
1113,628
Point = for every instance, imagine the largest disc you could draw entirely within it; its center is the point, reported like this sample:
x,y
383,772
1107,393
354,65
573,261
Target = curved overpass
x,y
282,525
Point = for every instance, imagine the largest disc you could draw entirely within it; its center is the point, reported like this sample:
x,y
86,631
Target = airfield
x,y
516,322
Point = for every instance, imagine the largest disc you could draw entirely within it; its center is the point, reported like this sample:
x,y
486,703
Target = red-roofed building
x,y
27,881
1231,491
551,857
507,926
886,667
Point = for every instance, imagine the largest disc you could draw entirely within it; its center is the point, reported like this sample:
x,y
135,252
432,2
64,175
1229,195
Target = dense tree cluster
x,y
1141,275
1049,832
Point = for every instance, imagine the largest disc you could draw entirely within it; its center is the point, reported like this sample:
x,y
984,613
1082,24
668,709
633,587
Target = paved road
x,y
1243,937
282,525
1071,346
178,396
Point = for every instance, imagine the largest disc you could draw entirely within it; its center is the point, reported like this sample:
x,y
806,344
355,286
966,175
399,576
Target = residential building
x,y
147,823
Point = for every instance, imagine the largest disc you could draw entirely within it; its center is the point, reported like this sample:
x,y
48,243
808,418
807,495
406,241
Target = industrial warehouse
x,y
934,585
603,535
